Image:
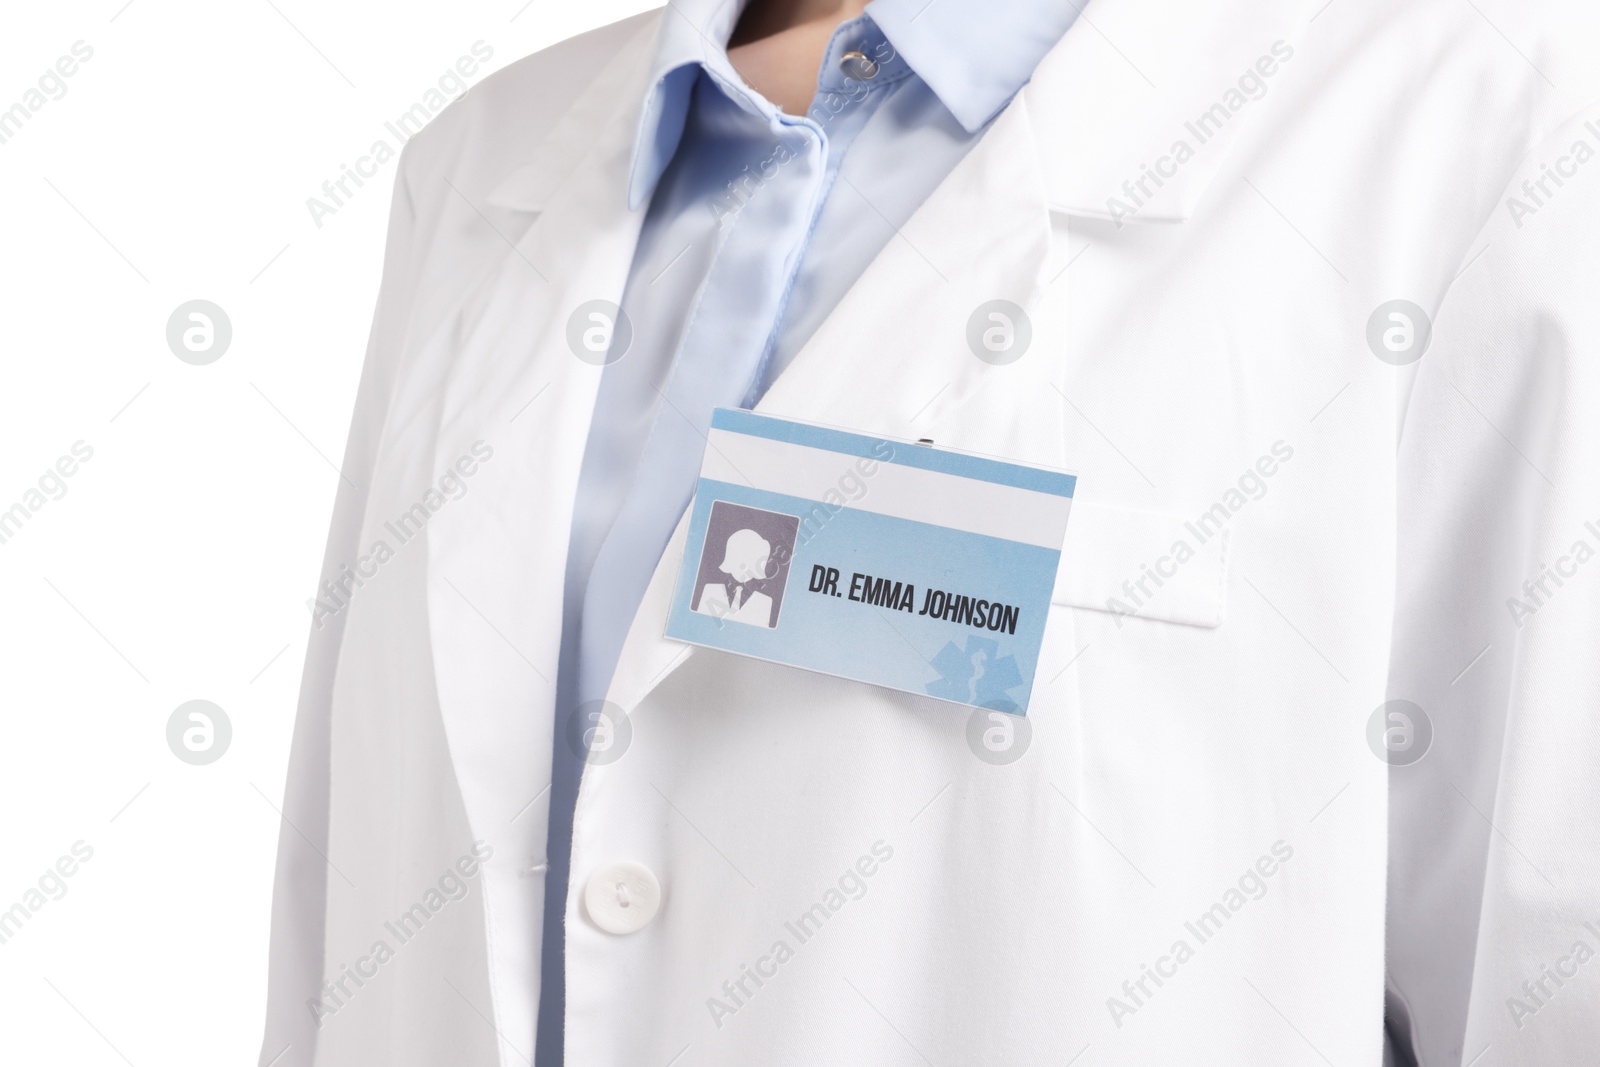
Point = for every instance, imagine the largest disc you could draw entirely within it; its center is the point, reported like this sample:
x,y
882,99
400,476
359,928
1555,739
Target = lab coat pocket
x,y
1143,565
1137,596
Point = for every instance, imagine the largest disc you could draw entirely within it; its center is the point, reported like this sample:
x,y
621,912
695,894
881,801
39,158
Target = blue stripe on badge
x,y
941,460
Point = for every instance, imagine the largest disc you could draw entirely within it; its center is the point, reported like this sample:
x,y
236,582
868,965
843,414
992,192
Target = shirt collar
x,y
694,35
973,56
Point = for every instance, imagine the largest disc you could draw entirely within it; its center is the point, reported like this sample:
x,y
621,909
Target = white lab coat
x,y
1198,773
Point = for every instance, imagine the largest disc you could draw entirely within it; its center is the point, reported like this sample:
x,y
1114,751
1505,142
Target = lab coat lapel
x,y
894,358
513,404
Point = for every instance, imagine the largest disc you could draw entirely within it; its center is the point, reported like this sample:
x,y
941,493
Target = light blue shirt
x,y
758,223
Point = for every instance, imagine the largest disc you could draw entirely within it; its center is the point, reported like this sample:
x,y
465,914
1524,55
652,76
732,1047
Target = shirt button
x,y
857,67
622,897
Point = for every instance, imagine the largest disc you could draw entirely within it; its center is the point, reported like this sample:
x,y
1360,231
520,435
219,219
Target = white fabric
x,y
1181,780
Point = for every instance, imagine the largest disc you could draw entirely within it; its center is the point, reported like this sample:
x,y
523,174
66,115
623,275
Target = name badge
x,y
903,565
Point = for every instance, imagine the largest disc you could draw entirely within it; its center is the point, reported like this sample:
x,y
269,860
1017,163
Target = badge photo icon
x,y
744,564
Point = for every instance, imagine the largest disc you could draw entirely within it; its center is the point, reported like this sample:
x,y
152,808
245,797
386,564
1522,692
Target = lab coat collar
x,y
1130,83
563,155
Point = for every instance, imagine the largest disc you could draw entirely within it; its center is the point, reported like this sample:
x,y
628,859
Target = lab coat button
x,y
622,897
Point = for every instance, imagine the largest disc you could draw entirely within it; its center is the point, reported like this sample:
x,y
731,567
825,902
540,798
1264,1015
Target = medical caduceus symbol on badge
x,y
976,674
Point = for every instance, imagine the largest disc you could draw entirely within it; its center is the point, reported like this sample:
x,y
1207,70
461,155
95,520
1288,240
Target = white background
x,y
178,563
